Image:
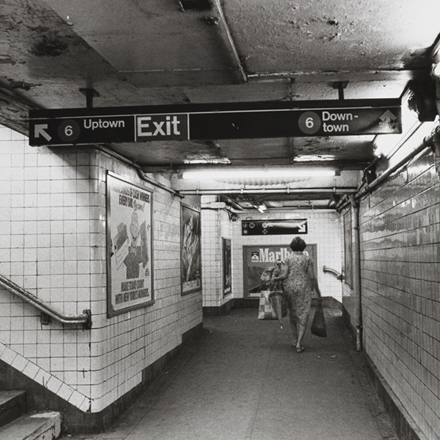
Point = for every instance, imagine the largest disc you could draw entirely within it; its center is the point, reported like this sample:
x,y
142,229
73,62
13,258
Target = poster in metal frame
x,y
348,248
227,266
190,248
129,246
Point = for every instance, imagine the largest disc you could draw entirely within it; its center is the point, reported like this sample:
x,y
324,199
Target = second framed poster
x,y
227,267
191,259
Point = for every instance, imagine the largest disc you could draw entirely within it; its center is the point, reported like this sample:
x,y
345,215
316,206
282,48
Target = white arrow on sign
x,y
40,129
300,225
388,116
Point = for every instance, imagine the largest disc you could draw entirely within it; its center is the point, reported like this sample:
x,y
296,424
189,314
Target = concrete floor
x,y
244,381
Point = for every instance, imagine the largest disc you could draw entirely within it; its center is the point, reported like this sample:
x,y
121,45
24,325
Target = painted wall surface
x,y
215,226
400,278
53,244
324,230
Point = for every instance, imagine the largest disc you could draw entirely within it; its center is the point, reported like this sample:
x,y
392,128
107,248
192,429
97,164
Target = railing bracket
x,y
45,319
88,324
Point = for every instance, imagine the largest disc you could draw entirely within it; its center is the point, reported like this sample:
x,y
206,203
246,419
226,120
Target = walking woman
x,y
298,281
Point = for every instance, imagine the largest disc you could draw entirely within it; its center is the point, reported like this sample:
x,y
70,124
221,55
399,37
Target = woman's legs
x,y
293,326
301,331
298,331
298,328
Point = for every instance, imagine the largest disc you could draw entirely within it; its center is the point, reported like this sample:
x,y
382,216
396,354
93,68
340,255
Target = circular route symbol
x,y
68,130
309,122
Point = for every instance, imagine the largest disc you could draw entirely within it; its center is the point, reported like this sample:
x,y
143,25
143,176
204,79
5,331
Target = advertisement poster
x,y
227,267
191,260
348,249
129,213
257,259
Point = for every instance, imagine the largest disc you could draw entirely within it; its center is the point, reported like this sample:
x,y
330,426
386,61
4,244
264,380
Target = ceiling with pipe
x,y
242,55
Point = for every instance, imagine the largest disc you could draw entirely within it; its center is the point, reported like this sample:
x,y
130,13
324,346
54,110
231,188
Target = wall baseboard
x,y
398,415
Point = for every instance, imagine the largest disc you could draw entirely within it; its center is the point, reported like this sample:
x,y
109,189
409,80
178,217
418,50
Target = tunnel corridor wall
x,y
400,280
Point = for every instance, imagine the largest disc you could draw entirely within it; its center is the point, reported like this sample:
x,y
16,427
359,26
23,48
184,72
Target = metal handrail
x,y
85,319
339,276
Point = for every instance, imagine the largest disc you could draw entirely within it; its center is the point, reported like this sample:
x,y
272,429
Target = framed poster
x,y
256,259
129,246
348,249
191,259
227,267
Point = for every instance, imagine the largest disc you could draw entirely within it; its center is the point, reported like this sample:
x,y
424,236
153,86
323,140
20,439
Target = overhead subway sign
x,y
214,121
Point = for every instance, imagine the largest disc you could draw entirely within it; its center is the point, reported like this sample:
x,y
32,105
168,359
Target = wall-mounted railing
x,y
46,310
339,276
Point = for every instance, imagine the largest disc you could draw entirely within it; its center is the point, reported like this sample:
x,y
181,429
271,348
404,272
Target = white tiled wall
x,y
53,244
400,257
324,230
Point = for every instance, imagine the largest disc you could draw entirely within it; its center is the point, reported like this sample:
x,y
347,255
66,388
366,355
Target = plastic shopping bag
x,y
265,310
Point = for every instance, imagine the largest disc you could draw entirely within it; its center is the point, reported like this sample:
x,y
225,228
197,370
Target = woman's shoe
x,y
299,349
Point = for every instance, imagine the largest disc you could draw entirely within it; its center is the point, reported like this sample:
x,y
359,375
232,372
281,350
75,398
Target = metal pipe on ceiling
x,y
138,169
426,143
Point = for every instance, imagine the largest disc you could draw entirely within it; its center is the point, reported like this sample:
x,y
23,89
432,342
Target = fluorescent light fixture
x,y
261,208
435,57
436,70
255,174
221,161
312,158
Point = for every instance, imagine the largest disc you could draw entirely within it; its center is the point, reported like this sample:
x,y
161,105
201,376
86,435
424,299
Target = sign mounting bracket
x,y
89,93
340,85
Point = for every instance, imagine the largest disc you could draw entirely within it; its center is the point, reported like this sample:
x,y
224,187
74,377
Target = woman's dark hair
x,y
298,244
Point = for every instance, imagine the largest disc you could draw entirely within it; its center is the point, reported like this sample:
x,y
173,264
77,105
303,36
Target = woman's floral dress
x,y
298,287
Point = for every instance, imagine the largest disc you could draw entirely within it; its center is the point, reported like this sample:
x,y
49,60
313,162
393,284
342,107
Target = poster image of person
x,y
137,257
191,250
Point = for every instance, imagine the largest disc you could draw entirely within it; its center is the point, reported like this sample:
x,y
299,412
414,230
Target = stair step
x,y
38,426
12,405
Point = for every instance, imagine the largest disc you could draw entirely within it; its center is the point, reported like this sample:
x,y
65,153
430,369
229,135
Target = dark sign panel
x,y
214,121
274,227
295,123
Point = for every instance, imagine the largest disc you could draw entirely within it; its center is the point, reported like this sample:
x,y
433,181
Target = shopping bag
x,y
265,310
318,324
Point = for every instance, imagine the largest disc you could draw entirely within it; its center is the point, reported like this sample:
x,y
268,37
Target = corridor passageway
x,y
242,380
